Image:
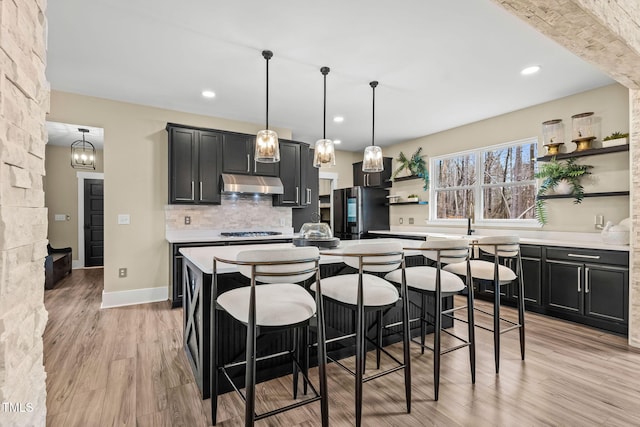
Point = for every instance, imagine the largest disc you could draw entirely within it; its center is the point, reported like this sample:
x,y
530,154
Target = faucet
x,y
469,229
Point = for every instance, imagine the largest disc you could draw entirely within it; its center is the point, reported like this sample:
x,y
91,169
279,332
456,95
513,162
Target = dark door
x,y
358,175
290,174
93,223
606,292
236,155
565,286
182,154
264,169
208,168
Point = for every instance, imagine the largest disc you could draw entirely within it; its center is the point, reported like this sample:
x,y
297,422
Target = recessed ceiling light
x,y
530,70
208,94
338,119
336,141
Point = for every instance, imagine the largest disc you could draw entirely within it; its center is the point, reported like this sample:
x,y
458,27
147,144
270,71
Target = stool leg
x,y
361,355
423,320
521,313
322,360
496,324
305,361
471,326
378,337
436,339
214,369
250,377
406,337
296,356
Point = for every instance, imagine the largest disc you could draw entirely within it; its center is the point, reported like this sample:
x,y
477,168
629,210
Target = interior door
x,y
93,223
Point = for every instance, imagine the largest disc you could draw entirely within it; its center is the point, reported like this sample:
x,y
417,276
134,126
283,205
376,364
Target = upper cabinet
x,y
378,179
194,165
238,156
290,175
309,183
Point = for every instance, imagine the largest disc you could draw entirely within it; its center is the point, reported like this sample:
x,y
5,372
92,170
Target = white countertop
x,y
564,239
200,236
202,257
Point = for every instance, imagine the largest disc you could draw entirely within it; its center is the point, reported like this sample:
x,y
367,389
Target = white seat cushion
x,y
277,304
376,291
482,270
424,278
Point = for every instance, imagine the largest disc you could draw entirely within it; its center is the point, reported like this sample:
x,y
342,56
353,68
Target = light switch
x,y
60,217
124,219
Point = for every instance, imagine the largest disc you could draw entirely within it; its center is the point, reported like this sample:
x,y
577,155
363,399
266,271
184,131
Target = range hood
x,y
251,184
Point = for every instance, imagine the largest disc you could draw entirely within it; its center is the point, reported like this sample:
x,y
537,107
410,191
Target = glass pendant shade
x,y
267,147
83,153
372,161
324,153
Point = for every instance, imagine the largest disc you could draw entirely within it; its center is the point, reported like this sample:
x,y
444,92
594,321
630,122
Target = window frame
x,y
479,187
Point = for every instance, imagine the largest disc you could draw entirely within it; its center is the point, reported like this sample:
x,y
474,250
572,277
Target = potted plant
x,y
415,166
562,178
616,138
413,198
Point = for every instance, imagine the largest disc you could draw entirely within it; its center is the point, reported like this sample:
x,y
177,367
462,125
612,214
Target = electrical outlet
x,y
282,222
410,220
187,220
401,220
122,272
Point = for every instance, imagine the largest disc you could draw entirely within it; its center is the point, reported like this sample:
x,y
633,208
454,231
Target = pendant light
x,y
324,153
372,161
83,153
267,148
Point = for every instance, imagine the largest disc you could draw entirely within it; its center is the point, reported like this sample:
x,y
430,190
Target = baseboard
x,y
133,297
75,264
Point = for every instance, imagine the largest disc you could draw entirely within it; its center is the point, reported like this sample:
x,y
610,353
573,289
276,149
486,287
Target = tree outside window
x,y
494,183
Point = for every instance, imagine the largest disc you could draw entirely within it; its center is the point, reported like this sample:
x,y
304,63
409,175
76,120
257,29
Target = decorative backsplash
x,y
237,211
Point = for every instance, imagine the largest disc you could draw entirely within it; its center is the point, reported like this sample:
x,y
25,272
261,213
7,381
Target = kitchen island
x,y
196,303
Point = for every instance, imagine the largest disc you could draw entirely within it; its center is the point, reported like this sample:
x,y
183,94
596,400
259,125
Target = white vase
x,y
563,187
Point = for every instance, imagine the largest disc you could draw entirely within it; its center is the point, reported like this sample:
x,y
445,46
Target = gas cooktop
x,y
250,233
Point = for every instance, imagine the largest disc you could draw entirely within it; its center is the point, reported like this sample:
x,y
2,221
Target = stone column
x,y
24,101
606,34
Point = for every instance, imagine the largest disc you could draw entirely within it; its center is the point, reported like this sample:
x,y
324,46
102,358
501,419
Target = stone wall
x,y
607,34
24,101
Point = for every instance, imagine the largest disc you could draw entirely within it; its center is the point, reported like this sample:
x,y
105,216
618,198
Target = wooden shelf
x,y
589,152
570,196
406,178
408,203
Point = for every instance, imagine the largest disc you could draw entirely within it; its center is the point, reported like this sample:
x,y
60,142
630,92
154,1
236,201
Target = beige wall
x,y
610,173
135,172
344,167
61,196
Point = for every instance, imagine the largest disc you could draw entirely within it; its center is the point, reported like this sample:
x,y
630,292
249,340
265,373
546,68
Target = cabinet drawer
x,y
531,251
589,255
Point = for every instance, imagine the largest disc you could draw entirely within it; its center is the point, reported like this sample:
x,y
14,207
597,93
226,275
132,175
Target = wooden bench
x,y
56,265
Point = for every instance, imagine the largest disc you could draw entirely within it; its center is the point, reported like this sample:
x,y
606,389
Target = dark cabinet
x,y
238,156
589,286
378,179
290,175
310,184
194,166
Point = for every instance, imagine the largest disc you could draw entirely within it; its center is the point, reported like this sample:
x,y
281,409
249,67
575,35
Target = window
x,y
493,183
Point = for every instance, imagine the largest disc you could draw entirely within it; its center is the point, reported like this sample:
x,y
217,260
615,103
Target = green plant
x,y
411,196
616,135
552,173
415,164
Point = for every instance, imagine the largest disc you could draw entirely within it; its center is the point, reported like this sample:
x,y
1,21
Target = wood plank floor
x,y
125,366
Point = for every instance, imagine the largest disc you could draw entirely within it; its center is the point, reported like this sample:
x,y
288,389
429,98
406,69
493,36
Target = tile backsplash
x,y
236,212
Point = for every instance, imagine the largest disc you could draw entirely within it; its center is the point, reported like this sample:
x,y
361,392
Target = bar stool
x,y
440,284
363,292
274,301
503,249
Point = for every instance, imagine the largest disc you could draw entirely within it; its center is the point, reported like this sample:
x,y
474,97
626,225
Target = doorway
x,y
93,223
328,181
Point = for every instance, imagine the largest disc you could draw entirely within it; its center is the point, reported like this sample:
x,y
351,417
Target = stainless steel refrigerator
x,y
358,210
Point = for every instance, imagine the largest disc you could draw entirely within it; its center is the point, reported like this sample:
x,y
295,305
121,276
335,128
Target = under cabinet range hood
x,y
251,184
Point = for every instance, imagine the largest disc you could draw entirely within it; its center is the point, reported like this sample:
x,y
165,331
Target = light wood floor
x,y
125,366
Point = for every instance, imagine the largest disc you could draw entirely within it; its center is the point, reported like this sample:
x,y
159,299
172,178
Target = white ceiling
x,y
440,63
65,134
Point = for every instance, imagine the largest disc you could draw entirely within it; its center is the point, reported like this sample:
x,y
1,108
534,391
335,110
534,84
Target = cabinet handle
x,y
579,274
586,280
297,195
248,163
308,196
255,166
584,256
200,190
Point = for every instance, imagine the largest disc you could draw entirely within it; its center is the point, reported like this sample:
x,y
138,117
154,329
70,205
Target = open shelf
x,y
570,196
406,178
408,203
589,152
